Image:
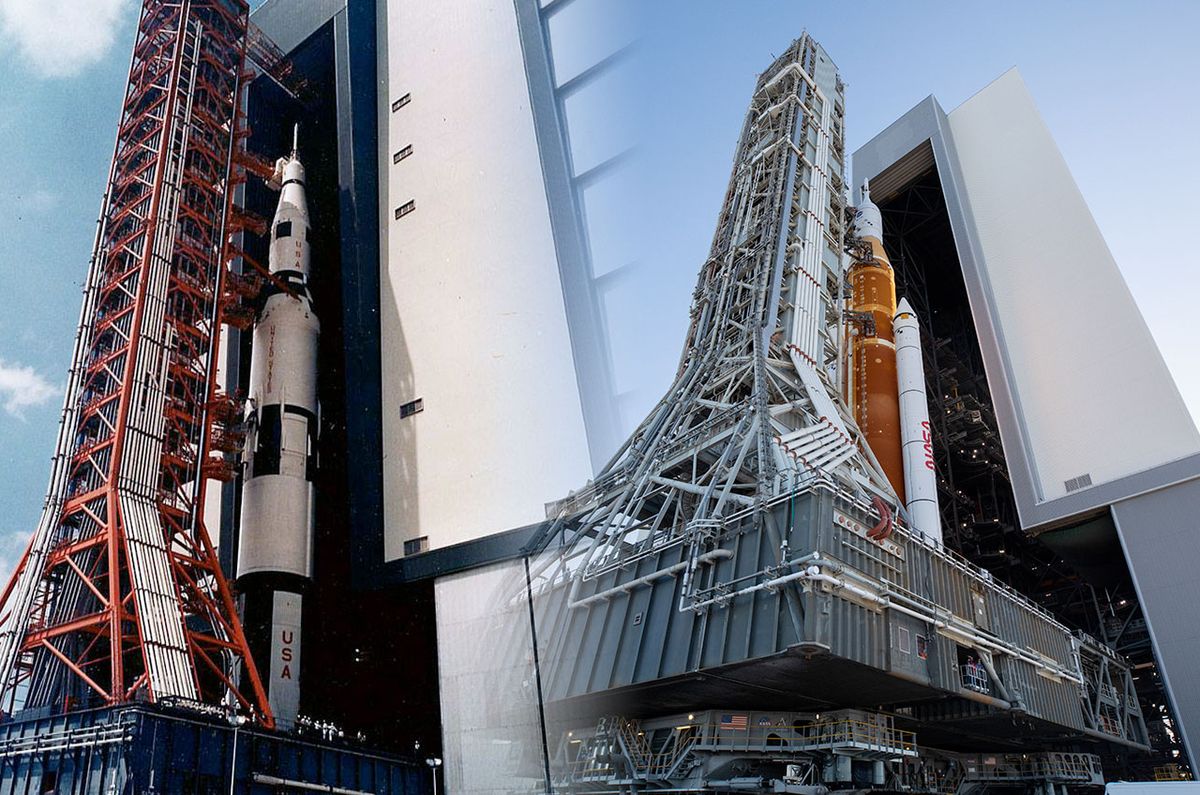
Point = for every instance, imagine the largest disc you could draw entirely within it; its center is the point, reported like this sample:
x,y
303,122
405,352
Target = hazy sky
x,y
1114,81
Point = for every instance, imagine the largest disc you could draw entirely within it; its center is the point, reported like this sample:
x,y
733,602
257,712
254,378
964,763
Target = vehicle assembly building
x,y
342,500
996,250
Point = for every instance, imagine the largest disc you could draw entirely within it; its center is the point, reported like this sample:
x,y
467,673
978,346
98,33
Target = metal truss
x,y
753,412
119,595
755,418
688,753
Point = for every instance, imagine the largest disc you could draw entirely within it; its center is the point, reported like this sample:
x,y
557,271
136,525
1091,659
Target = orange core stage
x,y
874,393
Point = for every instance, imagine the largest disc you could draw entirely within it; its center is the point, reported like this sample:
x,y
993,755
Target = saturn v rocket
x,y
274,563
887,376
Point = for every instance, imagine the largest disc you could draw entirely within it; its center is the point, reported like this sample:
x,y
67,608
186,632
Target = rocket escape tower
x,y
742,578
119,596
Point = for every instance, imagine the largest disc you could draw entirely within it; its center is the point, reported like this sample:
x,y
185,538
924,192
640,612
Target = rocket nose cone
x,y
868,220
905,308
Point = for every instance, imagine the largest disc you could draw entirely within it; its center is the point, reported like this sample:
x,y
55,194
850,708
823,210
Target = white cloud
x,y
59,38
12,547
41,200
22,388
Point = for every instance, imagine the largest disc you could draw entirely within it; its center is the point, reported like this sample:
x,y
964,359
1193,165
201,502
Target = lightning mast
x,y
119,595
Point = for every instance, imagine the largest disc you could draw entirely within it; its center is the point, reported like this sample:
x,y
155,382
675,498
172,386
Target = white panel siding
x,y
489,706
1093,393
473,321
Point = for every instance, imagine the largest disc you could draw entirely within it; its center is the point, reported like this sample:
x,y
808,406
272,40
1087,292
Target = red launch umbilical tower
x,y
119,595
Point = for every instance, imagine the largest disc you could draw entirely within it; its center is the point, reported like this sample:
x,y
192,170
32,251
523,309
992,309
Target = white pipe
x,y
276,781
701,490
826,433
791,97
794,66
830,455
708,557
769,584
766,150
796,439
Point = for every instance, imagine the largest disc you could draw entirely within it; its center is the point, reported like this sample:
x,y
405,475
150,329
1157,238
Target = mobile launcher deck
x,y
146,748
790,613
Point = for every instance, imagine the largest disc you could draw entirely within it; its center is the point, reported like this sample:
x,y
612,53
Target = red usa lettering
x,y
927,444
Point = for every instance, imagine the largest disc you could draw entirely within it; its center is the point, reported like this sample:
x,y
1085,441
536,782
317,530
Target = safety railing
x,y
975,677
66,739
587,768
1171,772
729,735
1036,767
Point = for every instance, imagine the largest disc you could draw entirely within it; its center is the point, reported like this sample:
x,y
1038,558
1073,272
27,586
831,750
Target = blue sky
x,y
63,67
1114,82
62,70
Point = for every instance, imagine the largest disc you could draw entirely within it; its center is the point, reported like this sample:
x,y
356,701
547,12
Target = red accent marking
x,y
105,650
883,528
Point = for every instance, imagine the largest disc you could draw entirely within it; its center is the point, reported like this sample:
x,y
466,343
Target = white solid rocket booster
x,y
920,473
274,563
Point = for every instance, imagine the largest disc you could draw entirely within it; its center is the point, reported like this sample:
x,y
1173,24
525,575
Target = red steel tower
x,y
119,595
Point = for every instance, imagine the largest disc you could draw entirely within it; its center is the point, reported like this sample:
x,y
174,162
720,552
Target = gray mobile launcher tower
x,y
739,602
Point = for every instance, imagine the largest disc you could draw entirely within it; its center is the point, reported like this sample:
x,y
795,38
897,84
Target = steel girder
x,y
119,595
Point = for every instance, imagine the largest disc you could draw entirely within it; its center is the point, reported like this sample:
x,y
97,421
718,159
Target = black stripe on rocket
x,y
268,448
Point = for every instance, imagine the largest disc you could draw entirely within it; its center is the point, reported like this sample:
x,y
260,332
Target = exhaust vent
x,y
1080,482
415,546
412,407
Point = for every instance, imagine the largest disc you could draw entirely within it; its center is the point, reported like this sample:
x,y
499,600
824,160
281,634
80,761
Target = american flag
x,y
737,722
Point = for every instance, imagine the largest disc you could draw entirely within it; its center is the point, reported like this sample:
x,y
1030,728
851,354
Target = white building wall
x,y
491,735
473,322
1093,394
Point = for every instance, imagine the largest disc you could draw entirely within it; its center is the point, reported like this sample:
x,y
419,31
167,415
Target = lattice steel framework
x,y
754,411
119,595
754,419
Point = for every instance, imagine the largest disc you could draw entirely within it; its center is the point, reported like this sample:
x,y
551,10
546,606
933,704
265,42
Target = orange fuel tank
x,y
874,390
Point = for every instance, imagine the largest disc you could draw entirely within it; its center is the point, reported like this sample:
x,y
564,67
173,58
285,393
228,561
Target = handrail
x,y
840,731
1050,765
652,757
